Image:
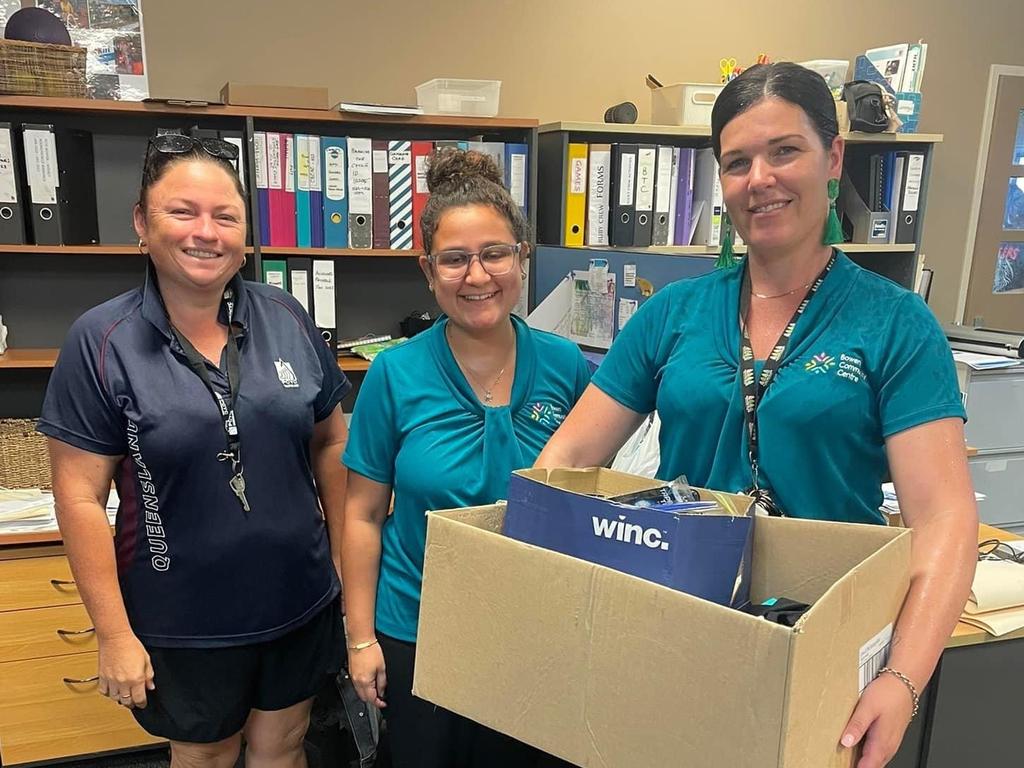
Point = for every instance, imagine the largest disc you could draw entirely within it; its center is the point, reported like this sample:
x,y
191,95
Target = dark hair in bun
x,y
457,178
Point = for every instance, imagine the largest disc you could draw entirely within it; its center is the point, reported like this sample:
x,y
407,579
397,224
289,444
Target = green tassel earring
x,y
726,257
833,228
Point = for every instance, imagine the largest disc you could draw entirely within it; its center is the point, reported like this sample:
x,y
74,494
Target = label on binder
x,y
380,161
628,179
8,183
315,182
41,166
421,175
334,173
323,294
517,179
578,176
259,150
302,170
274,161
289,163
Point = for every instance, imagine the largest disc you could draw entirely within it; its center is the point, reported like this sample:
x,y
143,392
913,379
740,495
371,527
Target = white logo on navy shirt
x,y
286,374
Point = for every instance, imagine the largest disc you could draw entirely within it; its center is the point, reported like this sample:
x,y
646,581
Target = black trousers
x,y
423,735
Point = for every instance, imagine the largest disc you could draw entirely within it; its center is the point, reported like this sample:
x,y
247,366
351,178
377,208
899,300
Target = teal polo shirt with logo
x,y
866,360
418,427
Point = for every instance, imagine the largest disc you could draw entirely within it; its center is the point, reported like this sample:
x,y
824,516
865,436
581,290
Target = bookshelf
x,y
897,261
43,288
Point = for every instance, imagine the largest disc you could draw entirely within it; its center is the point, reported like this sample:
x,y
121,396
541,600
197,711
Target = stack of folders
x,y
639,195
348,192
879,197
47,186
996,603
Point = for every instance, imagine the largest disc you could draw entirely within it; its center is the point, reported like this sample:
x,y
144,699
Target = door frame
x,y
996,71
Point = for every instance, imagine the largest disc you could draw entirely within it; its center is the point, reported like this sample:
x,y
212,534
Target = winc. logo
x,y
630,533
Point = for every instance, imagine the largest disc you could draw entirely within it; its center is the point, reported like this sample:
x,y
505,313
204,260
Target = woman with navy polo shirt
x,y
441,421
801,378
212,403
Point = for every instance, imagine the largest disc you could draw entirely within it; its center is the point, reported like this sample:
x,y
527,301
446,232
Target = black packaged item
x,y
416,322
780,610
865,104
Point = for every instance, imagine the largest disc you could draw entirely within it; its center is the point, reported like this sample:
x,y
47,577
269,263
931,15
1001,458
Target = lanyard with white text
x,y
754,388
226,408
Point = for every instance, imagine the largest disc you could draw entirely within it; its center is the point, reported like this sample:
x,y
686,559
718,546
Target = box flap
x,y
595,666
802,559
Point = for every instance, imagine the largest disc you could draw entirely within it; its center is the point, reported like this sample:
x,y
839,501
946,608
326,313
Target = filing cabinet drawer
x,y
42,717
40,632
37,582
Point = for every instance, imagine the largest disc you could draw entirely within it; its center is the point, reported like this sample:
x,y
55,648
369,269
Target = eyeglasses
x,y
993,549
496,260
177,144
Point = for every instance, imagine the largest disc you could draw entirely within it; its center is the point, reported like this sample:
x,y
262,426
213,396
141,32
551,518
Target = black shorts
x,y
205,695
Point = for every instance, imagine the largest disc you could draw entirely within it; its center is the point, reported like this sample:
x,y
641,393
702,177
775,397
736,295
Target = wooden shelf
x,y
712,251
353,364
100,106
704,131
76,250
46,358
340,252
73,250
28,358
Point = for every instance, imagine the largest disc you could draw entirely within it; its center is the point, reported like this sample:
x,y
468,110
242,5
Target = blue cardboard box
x,y
566,510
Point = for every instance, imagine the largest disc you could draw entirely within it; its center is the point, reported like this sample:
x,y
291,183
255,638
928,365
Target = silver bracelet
x,y
910,687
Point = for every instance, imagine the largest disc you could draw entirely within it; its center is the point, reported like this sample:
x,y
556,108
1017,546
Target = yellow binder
x,y
575,193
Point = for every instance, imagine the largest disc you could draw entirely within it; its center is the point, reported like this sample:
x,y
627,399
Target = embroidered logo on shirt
x,y
546,414
286,374
820,363
850,368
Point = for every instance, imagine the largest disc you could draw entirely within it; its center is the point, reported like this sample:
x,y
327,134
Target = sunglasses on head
x,y
177,144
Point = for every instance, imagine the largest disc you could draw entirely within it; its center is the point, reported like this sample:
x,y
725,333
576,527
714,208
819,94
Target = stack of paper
x,y
996,603
891,505
31,511
981,362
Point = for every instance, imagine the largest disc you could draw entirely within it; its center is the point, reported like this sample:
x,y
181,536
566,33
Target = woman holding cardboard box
x,y
441,421
801,378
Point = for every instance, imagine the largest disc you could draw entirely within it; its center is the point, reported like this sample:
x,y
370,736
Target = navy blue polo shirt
x,y
195,570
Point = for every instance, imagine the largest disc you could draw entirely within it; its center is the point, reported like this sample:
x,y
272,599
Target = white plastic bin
x,y
447,96
684,103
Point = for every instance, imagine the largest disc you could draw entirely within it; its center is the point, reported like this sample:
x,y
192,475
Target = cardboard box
x,y
684,103
606,669
292,96
706,555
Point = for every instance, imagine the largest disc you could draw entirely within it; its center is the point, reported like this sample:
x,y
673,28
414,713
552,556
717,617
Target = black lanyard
x,y
754,388
226,408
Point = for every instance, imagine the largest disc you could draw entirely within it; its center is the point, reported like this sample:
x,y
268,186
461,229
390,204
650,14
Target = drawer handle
x,y
58,583
81,680
67,632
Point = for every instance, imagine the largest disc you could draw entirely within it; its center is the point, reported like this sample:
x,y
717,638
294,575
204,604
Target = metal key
x,y
237,483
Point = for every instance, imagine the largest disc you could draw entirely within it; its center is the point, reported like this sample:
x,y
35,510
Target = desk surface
x,y
966,634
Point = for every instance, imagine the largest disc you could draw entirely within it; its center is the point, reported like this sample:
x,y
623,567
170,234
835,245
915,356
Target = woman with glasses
x,y
441,421
212,404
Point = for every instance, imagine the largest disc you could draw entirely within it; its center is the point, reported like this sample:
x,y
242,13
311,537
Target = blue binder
x,y
334,168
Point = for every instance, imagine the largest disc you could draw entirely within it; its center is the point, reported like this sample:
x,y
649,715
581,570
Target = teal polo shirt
x,y
867,359
418,427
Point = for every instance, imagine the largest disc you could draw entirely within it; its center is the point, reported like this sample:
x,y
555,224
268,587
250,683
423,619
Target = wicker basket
x,y
24,461
41,69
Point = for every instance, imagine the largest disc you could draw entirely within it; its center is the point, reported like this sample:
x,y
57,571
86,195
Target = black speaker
x,y
621,113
